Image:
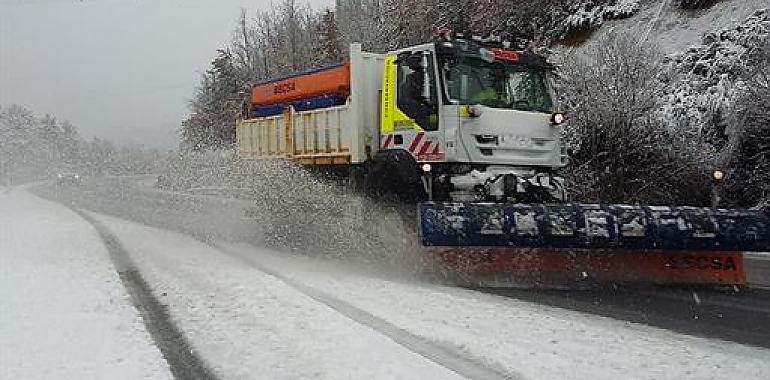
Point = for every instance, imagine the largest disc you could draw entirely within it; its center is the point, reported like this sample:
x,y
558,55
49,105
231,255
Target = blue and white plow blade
x,y
591,226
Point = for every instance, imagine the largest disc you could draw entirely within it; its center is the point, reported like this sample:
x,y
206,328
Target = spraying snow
x,y
303,212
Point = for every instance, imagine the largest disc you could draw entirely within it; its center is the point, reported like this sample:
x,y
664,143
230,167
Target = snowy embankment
x,y
64,313
316,319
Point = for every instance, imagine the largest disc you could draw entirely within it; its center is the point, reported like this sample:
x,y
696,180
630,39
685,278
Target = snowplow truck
x,y
470,132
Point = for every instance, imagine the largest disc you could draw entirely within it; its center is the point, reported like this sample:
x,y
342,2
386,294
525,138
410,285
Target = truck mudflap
x,y
499,244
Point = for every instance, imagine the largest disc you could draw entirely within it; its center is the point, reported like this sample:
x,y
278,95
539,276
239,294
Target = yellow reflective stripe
x,y
388,90
392,118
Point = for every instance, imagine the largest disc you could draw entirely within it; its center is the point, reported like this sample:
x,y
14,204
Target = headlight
x,y
426,168
557,118
718,175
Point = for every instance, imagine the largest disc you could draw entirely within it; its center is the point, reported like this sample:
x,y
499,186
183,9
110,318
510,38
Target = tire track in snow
x,y
446,357
181,358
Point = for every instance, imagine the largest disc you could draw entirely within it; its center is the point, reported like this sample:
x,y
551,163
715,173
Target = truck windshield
x,y
497,84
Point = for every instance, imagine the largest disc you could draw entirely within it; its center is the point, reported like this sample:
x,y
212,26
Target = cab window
x,y
417,95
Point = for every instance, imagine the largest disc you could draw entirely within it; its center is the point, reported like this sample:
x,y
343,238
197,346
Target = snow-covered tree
x,y
246,54
16,141
216,105
327,41
711,96
621,151
362,21
34,148
747,152
709,75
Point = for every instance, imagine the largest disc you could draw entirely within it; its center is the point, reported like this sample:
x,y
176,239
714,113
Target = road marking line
x,y
179,354
441,355
764,256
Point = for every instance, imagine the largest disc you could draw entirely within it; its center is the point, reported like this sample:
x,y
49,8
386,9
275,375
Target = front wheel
x,y
394,177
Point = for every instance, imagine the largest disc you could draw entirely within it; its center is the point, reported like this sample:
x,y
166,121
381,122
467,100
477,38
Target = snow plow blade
x,y
498,244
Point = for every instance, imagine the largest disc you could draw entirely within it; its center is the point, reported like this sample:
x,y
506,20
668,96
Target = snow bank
x,y
64,313
248,324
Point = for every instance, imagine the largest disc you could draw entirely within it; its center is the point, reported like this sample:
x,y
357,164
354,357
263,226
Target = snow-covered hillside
x,y
696,68
676,29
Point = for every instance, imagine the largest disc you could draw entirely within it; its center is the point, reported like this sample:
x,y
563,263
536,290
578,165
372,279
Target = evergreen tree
x,y
215,106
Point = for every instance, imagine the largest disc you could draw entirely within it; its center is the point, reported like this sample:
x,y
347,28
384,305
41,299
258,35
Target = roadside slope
x,y
675,29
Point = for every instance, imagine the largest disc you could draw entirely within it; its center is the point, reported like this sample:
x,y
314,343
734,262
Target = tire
x,y
393,176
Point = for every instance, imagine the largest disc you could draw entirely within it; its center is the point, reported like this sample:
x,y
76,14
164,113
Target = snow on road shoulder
x,y
64,313
247,324
537,341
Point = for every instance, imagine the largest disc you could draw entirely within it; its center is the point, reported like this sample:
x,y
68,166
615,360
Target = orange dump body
x,y
329,81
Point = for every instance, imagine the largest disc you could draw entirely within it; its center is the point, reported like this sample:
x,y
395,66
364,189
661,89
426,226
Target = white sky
x,y
117,69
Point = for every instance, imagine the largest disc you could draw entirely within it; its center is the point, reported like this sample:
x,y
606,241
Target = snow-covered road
x,y
248,324
537,341
254,313
64,313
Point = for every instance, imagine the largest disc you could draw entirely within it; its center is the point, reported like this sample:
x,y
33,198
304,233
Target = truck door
x,y
410,105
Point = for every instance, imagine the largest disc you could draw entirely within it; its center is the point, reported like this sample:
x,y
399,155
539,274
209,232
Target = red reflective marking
x,y
387,140
437,149
505,55
425,146
416,142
